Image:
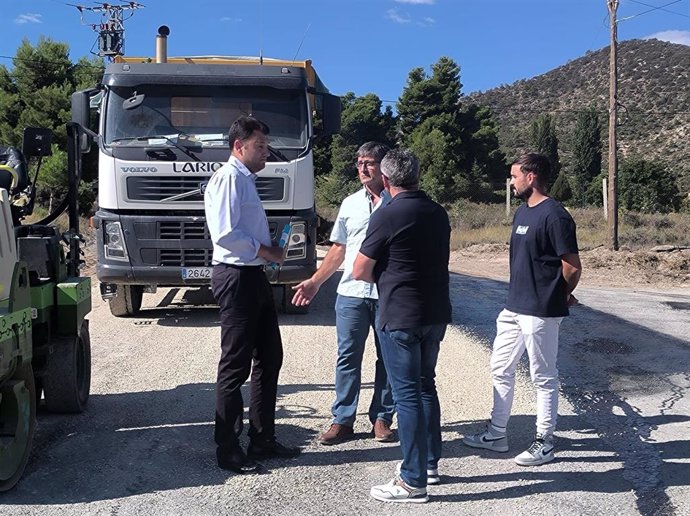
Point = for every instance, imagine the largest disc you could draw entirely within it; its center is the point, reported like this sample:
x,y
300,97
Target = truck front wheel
x,y
127,300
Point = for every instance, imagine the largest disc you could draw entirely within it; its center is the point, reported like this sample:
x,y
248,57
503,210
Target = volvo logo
x,y
202,187
138,169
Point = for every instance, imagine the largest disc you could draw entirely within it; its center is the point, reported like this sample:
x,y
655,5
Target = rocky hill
x,y
653,94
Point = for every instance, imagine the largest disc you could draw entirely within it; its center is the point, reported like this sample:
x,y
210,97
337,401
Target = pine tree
x,y
457,145
586,159
542,136
561,188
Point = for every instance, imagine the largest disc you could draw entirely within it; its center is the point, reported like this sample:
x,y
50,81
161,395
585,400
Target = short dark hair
x,y
374,150
538,164
401,168
243,127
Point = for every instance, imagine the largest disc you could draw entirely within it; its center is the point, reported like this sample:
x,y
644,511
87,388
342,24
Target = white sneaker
x,y
432,476
398,491
539,452
488,439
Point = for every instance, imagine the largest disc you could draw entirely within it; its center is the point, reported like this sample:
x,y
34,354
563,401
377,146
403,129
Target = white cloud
x,y
426,22
417,2
229,19
28,18
398,17
681,37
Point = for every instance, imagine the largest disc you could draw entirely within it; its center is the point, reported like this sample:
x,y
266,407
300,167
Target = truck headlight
x,y
297,246
114,241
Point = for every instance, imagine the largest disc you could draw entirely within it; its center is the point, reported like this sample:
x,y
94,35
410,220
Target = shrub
x,y
648,187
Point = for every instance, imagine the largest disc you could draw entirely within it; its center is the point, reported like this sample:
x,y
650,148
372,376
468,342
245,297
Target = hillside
x,y
654,98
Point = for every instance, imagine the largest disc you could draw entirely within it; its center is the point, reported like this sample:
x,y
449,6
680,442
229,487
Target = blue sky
x,y
367,45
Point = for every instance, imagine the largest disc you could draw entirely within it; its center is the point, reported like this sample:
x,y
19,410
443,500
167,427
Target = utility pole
x,y
111,29
613,117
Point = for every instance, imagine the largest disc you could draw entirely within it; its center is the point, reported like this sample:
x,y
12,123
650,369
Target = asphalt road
x,y
144,444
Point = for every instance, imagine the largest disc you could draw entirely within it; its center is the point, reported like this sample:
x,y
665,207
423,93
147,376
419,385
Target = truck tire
x,y
286,305
17,425
127,300
67,380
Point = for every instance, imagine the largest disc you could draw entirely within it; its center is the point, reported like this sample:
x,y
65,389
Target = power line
x,y
659,8
653,8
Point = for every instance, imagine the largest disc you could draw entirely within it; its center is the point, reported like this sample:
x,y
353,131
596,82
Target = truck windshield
x,y
203,115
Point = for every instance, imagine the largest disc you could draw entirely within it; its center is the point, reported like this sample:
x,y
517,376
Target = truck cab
x,y
161,134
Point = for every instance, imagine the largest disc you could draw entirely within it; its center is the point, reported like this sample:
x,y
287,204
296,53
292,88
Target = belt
x,y
241,267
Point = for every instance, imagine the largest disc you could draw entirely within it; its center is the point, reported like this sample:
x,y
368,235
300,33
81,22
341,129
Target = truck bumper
x,y
172,276
160,246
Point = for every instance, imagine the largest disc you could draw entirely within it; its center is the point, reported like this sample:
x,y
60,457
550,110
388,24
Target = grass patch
x,y
474,223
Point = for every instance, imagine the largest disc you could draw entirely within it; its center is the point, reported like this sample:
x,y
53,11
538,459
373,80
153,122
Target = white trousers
x,y
516,333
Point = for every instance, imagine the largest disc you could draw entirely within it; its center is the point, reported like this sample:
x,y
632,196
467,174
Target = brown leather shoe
x,y
336,434
382,431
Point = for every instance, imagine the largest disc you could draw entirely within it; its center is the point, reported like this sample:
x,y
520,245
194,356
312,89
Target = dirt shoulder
x,y
655,269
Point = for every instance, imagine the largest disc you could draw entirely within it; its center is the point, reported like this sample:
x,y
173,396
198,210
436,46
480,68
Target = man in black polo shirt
x,y
544,270
406,253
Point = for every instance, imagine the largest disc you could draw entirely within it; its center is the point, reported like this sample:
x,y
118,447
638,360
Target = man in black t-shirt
x,y
406,252
544,270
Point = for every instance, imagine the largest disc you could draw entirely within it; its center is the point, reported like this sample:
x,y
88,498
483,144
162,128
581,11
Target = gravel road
x,y
144,445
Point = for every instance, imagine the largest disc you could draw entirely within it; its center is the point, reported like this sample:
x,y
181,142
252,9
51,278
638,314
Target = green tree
x,y
457,145
586,159
36,93
417,102
561,188
483,158
542,137
425,96
647,186
433,145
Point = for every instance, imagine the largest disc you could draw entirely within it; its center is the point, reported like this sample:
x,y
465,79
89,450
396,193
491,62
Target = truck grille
x,y
158,189
181,230
185,257
200,255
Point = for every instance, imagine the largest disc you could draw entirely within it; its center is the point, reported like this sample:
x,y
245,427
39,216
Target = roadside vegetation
x,y
475,223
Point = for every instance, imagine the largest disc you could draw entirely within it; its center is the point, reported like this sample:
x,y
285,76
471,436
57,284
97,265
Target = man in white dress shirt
x,y
249,324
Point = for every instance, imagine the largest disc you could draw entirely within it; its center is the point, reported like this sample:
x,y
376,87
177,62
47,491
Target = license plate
x,y
194,273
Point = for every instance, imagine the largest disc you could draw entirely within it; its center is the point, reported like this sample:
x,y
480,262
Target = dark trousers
x,y
249,337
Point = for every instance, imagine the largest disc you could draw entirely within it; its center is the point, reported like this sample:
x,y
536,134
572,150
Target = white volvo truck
x,y
162,132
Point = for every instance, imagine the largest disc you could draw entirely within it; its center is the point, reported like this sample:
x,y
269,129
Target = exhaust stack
x,y
162,44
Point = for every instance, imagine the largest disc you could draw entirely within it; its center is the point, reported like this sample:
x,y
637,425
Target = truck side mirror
x,y
81,114
330,113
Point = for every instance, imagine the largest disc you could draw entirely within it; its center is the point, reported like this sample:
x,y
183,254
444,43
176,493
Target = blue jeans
x,y
410,355
353,318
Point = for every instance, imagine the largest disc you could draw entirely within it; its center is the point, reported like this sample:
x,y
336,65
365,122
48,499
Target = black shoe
x,y
270,449
235,460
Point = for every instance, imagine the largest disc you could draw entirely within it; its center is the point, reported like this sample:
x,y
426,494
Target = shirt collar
x,y
241,167
385,195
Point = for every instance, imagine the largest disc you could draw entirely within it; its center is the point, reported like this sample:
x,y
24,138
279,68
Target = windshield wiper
x,y
159,137
277,153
